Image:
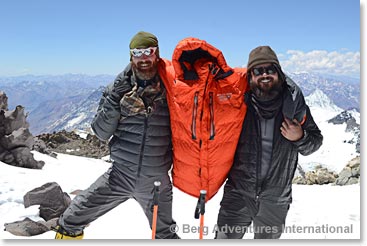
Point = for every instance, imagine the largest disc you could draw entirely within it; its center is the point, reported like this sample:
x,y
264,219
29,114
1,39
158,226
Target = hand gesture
x,y
291,130
121,86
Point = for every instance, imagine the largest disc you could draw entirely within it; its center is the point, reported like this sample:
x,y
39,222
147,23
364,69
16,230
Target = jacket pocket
x,y
211,109
194,115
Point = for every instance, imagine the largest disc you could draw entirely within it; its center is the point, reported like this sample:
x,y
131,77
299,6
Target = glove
x,y
120,87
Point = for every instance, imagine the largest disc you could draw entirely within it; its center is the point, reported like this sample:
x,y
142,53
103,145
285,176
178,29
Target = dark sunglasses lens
x,y
257,71
270,70
261,70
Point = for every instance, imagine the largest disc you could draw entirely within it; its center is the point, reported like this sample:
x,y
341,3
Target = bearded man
x,y
133,110
278,125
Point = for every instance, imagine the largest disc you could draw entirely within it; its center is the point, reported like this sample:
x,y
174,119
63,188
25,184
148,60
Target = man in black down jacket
x,y
133,110
278,125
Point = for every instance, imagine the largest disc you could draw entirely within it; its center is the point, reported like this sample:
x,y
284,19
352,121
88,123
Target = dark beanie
x,y
262,54
143,40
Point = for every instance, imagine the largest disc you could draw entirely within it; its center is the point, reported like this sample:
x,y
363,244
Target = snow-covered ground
x,y
318,212
334,152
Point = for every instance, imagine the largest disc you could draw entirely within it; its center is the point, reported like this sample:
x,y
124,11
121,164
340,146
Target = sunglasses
x,y
139,52
261,70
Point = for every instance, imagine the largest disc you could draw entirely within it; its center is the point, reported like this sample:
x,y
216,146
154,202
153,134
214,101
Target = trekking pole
x,y
200,211
155,207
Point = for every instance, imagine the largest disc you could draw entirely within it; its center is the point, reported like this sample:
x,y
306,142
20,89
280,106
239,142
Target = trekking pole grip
x,y
200,206
157,184
202,201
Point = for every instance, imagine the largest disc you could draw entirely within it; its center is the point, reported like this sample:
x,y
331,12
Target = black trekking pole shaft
x,y
157,184
202,201
202,212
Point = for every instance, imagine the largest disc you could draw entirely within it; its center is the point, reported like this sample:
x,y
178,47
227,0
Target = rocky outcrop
x,y
41,147
15,139
27,227
71,143
345,117
351,173
351,126
318,176
321,175
3,101
53,202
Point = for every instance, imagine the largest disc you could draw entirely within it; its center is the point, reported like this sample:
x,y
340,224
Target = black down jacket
x,y
139,126
277,185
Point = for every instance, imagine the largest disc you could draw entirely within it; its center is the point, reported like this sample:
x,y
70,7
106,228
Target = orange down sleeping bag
x,y
207,109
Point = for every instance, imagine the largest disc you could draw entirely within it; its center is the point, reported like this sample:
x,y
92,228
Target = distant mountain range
x,y
70,101
70,113
345,93
35,91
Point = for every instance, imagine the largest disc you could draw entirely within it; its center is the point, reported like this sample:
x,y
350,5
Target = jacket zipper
x,y
271,157
202,112
211,108
194,115
143,144
258,163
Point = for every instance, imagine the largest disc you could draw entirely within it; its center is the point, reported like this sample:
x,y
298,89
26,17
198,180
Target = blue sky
x,y
92,37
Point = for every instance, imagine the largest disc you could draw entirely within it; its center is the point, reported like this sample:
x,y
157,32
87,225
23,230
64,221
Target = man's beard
x,y
266,92
145,73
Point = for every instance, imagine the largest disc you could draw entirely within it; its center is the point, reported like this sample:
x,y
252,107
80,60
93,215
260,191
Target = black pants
x,y
113,188
238,211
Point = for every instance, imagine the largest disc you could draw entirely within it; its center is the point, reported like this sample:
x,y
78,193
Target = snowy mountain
x,y
318,99
344,93
49,100
32,91
340,144
352,120
348,116
43,117
73,113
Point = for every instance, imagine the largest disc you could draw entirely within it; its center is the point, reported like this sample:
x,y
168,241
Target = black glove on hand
x,y
120,87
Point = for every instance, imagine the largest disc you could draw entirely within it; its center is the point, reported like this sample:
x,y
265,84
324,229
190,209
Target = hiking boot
x,y
62,234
